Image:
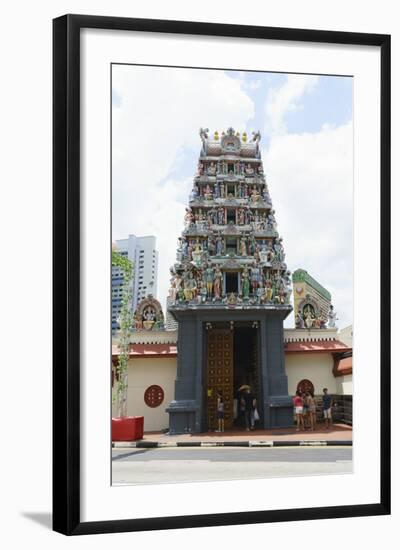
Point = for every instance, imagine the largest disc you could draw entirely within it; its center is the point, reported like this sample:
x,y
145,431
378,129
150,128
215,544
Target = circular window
x,y
154,396
305,386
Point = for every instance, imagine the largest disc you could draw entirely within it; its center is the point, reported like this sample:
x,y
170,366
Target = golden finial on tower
x,y
216,136
244,137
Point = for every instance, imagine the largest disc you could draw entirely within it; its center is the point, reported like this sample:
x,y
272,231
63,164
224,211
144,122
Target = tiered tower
x,y
230,271
230,251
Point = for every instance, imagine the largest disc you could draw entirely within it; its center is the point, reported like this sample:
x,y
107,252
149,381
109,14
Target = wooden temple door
x,y
219,375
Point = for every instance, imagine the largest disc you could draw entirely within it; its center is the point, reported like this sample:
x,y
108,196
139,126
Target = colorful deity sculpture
x,y
190,288
219,245
197,254
255,195
255,277
245,283
209,280
217,282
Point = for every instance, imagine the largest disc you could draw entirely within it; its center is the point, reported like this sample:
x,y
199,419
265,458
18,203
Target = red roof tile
x,y
149,350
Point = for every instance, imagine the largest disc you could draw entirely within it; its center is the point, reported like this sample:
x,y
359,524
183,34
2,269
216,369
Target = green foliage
x,y
121,382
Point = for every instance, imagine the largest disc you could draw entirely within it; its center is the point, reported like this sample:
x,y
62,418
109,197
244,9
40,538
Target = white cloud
x,y
253,84
284,99
158,114
311,183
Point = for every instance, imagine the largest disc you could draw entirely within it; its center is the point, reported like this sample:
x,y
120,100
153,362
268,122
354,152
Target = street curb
x,y
251,443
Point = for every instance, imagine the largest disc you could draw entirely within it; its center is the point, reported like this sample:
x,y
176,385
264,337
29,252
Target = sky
x,y
307,151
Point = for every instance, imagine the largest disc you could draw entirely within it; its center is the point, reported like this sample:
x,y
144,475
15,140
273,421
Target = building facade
x,y
313,358
144,256
230,290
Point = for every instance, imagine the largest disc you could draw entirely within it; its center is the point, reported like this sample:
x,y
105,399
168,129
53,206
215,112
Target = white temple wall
x,y
143,373
316,367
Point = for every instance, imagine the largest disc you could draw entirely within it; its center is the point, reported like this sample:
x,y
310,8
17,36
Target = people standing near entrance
x,y
305,410
311,410
298,410
327,407
249,406
220,412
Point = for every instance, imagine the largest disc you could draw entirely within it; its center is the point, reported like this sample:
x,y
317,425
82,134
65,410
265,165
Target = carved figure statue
x,y
253,248
267,291
194,192
208,194
221,216
212,170
211,245
203,293
255,194
189,217
243,246
197,254
271,222
217,282
255,277
222,190
266,196
209,280
281,295
204,138
332,317
241,216
247,216
176,282
219,245
263,253
249,170
245,283
190,250
190,288
299,320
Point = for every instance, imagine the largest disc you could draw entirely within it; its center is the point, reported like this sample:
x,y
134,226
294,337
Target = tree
x,y
121,380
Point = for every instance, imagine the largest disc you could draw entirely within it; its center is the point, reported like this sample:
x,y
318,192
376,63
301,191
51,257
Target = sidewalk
x,y
339,434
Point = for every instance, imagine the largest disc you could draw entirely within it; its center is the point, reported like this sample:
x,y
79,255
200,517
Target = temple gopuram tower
x,y
230,291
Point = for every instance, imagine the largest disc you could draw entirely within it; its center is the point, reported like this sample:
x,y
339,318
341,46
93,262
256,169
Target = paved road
x,y
171,465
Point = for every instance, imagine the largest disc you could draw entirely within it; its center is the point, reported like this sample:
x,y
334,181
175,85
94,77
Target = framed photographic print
x,y
221,274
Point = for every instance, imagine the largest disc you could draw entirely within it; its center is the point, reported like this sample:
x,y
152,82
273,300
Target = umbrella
x,y
244,387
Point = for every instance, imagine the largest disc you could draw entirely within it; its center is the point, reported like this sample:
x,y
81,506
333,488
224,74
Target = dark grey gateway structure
x,y
230,291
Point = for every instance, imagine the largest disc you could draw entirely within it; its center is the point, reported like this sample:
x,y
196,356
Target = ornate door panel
x,y
219,375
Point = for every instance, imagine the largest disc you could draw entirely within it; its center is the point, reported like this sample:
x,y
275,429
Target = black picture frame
x,y
66,273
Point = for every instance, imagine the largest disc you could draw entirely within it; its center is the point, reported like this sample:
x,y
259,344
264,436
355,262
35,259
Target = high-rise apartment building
x,y
142,252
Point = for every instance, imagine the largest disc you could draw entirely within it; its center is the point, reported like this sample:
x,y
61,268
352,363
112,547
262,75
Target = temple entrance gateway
x,y
231,361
